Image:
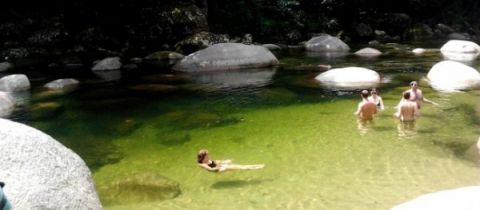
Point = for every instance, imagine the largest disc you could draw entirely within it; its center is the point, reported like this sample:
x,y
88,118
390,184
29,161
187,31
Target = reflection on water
x,y
235,78
406,129
364,126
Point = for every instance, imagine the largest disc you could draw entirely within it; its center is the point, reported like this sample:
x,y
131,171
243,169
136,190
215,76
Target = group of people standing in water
x,y
407,109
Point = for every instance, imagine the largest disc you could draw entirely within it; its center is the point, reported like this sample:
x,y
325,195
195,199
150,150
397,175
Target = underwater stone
x,y
144,187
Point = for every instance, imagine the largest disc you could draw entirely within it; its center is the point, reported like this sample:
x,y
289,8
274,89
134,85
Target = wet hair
x,y
201,155
406,95
364,93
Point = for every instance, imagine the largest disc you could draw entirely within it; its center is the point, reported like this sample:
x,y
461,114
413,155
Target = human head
x,y
413,84
373,91
202,154
406,95
364,93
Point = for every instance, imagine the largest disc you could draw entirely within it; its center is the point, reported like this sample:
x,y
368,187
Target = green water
x,y
317,155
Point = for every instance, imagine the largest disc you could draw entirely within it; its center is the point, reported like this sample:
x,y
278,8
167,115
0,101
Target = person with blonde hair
x,y
206,163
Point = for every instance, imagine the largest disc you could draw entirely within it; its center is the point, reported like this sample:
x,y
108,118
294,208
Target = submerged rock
x,y
465,198
7,104
41,173
418,51
145,187
460,50
354,77
14,82
452,75
227,56
326,43
44,110
63,85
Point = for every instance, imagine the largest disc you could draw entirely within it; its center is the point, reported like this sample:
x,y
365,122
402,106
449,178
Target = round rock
x,y
452,75
460,50
14,82
41,173
326,43
349,77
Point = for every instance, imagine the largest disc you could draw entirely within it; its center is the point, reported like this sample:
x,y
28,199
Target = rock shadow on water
x,y
137,188
191,120
237,183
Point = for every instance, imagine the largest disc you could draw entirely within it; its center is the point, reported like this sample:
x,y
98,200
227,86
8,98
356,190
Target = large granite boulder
x,y
40,173
7,103
112,63
460,50
14,82
200,41
465,198
326,43
452,75
226,56
354,77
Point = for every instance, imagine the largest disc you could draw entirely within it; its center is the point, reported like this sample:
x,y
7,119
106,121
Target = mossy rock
x,y
45,110
138,188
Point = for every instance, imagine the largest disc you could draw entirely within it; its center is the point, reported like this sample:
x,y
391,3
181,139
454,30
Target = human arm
x,y
359,109
380,100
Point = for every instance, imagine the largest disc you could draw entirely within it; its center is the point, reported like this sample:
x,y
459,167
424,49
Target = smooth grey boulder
x,y
5,66
63,85
42,174
14,82
465,198
227,56
7,104
112,63
368,52
452,75
354,77
460,50
326,43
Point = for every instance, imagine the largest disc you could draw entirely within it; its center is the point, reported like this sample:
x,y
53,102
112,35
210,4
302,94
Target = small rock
x,y
112,63
5,66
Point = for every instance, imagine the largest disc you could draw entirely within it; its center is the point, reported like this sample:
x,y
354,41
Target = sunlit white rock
x,y
7,104
112,63
465,198
349,77
452,75
418,51
14,82
460,50
368,52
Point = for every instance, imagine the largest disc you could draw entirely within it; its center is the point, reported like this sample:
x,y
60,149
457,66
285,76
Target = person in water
x,y
407,110
376,99
221,165
416,95
366,109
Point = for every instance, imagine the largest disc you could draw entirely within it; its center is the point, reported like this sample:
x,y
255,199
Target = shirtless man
x,y
366,109
407,110
416,95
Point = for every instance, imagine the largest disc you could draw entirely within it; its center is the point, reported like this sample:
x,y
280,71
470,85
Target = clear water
x,y
317,155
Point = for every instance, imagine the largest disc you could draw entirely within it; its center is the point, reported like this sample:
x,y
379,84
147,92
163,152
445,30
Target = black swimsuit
x,y
212,164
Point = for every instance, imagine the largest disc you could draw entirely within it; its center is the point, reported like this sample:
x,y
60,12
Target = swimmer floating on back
x,y
221,165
